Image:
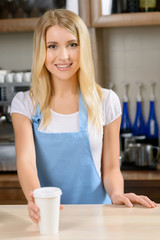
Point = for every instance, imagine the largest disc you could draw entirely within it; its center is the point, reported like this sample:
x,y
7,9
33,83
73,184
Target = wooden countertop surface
x,y
85,222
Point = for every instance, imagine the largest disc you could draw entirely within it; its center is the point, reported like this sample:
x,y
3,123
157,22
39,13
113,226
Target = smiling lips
x,y
63,67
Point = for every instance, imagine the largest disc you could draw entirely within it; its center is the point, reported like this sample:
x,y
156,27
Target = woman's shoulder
x,y
111,105
22,104
108,94
22,97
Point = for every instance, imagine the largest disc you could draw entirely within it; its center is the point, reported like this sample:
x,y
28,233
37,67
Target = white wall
x,y
133,55
16,50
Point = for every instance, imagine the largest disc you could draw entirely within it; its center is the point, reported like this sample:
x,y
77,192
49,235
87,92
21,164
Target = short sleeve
x,y
111,106
22,104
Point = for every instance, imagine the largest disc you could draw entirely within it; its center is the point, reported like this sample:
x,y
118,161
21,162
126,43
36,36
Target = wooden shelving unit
x,y
127,20
28,24
114,20
18,25
121,20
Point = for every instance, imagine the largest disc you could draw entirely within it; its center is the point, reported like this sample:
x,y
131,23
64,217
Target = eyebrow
x,y
53,42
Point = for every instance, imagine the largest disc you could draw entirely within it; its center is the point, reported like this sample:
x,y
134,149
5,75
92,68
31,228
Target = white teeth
x,y
63,66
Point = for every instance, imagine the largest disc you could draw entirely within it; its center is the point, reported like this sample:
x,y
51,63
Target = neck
x,y
63,88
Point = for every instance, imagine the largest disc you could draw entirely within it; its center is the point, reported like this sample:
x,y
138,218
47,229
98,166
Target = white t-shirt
x,y
22,104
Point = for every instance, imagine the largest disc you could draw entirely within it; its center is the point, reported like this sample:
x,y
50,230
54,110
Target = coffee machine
x,y
10,84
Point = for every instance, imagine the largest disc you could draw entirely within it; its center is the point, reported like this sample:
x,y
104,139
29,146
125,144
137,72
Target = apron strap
x,y
37,118
83,116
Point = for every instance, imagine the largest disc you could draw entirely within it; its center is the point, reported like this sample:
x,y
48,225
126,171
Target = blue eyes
x,y
71,45
52,46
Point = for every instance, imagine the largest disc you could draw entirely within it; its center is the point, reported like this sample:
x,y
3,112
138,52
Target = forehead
x,y
57,33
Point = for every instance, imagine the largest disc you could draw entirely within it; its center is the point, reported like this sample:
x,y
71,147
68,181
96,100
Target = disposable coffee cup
x,y
48,201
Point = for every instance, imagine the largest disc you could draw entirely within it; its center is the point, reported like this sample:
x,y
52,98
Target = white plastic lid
x,y
140,137
126,135
48,192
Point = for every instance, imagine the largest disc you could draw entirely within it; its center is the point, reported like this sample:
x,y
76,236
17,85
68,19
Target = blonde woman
x,y
67,127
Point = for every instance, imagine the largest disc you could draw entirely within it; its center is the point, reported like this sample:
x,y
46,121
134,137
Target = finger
x,y
122,199
61,207
35,220
32,206
149,201
144,200
126,201
33,212
141,200
30,195
34,215
155,203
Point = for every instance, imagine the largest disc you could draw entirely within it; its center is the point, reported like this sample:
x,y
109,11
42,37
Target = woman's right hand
x,y
34,210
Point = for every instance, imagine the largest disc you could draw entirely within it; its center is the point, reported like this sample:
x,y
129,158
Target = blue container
x,y
139,127
152,130
126,126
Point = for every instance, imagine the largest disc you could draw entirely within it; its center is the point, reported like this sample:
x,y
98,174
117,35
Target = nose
x,y
63,53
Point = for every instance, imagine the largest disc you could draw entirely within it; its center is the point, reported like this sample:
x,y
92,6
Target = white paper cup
x,y
18,77
48,201
27,76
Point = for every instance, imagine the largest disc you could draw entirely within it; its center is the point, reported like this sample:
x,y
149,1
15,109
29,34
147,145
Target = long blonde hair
x,y
42,88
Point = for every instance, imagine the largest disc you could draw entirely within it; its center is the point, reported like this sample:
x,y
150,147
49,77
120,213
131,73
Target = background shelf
x,y
18,25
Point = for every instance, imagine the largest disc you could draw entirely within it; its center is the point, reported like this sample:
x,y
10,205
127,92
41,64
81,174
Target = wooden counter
x,y
143,183
141,175
10,190
140,182
85,222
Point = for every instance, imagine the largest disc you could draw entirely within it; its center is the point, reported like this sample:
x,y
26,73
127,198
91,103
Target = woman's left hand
x,y
129,198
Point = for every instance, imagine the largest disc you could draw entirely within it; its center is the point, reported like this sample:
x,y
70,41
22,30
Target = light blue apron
x,y
65,160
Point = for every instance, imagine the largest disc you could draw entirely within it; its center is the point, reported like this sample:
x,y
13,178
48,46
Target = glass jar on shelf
x,y
147,5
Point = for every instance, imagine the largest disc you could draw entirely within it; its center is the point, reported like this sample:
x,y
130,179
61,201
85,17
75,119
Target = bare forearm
x,y
114,183
27,177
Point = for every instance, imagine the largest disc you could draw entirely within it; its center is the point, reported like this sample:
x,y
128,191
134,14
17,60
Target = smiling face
x,y
62,54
